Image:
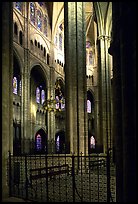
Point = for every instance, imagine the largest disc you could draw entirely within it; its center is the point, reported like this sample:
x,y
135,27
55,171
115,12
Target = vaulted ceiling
x,y
101,12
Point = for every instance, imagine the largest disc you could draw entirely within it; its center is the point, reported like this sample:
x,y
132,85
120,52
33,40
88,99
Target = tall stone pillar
x,y
128,74
75,76
26,120
7,101
104,95
123,49
51,114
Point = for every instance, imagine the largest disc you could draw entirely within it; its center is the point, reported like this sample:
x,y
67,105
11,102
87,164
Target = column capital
x,y
104,37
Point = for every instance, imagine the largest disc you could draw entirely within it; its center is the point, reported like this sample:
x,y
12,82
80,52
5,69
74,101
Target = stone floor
x,y
62,190
13,199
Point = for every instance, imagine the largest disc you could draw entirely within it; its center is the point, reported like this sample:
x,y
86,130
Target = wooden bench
x,y
50,171
97,163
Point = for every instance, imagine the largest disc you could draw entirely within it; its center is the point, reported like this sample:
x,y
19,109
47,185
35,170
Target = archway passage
x,y
60,142
41,142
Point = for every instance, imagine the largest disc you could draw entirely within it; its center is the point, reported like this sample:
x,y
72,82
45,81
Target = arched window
x,y
39,20
57,144
57,102
42,96
18,5
60,41
89,106
92,142
56,39
46,26
63,103
60,142
32,12
35,43
86,57
37,95
38,142
15,85
90,58
59,98
88,44
20,88
38,44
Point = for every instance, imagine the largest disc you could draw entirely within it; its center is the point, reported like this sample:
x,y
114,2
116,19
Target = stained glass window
x,y
86,57
88,44
88,106
38,142
57,144
32,12
46,26
42,96
63,103
39,20
60,101
60,41
18,5
92,142
40,3
37,95
14,84
56,40
20,88
57,102
90,58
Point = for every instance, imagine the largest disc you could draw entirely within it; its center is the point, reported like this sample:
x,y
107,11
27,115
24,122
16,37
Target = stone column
x,y
75,76
117,127
51,114
7,101
26,127
104,95
128,75
117,105
96,116
123,49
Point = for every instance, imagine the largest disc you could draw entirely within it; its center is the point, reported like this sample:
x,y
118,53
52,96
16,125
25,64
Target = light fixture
x,y
55,105
58,103
50,104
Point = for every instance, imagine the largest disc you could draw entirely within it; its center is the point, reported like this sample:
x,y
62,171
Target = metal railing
x,y
90,178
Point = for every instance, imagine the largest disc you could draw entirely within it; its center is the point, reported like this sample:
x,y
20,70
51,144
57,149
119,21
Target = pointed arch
x,y
41,141
104,16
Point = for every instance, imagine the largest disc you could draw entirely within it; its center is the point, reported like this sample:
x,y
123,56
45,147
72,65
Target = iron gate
x,y
89,179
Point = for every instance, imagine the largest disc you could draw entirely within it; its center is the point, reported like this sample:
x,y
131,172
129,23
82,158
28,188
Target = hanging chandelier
x,y
56,104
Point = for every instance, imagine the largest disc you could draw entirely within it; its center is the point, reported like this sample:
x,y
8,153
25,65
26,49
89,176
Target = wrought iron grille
x,y
62,178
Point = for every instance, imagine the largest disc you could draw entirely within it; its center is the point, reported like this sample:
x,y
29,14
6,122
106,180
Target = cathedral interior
x,y
69,83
